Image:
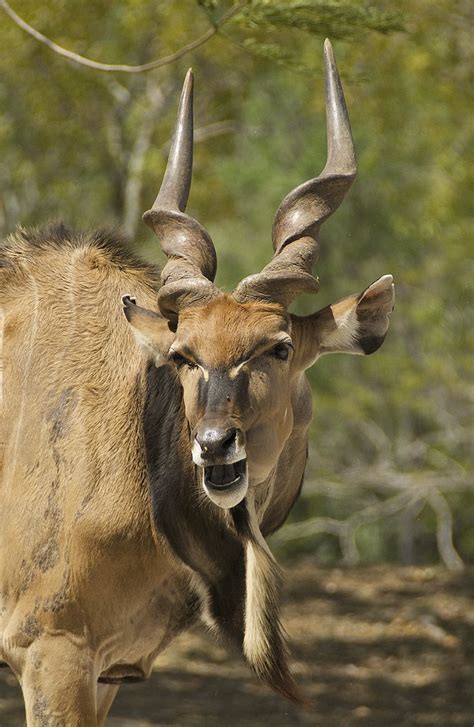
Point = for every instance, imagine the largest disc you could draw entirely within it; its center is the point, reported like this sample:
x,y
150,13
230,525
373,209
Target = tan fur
x,y
88,580
260,590
122,519
259,583
74,488
2,435
225,330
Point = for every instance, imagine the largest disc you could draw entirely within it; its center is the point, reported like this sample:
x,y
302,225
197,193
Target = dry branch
x,y
411,491
122,68
134,176
444,530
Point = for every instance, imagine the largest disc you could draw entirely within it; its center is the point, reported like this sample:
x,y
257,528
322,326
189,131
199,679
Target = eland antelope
x,y
139,481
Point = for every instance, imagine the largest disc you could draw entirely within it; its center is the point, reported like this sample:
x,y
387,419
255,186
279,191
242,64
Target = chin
x,y
226,485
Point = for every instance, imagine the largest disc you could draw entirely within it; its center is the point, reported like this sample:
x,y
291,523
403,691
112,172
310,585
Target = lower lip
x,y
229,494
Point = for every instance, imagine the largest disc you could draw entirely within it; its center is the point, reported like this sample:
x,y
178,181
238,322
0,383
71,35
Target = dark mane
x,y
55,236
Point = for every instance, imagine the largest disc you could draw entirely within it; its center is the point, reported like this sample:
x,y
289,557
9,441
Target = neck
x,y
230,565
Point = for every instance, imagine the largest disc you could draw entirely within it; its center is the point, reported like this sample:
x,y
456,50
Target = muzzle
x,y
219,452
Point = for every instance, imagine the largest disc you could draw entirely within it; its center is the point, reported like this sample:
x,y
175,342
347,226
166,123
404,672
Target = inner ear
x,y
356,324
152,332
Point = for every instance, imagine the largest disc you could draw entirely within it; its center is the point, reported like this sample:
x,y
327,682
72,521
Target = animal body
x,y
147,456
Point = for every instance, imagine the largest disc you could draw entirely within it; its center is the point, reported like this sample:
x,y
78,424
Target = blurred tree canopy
x,y
90,147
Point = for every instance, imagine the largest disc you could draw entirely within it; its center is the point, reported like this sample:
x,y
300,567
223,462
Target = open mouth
x,y
222,477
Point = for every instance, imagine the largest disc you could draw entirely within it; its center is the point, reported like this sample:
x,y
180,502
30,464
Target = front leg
x,y
59,683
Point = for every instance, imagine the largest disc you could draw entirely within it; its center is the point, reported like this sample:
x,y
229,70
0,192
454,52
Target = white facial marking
x,y
235,369
282,338
205,372
197,454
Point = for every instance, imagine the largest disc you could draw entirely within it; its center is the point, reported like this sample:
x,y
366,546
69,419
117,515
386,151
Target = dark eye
x,y
281,351
180,361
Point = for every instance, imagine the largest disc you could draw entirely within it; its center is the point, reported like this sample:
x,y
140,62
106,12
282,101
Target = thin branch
x,y
444,531
423,489
347,541
357,481
203,133
210,131
345,530
133,186
96,65
372,513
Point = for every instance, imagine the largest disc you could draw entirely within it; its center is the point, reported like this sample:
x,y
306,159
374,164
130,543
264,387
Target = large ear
x,y
150,329
356,324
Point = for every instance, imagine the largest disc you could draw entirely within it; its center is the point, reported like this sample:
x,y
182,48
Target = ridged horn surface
x,y
303,211
187,277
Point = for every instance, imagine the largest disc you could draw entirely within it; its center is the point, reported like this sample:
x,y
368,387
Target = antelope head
x,y
240,357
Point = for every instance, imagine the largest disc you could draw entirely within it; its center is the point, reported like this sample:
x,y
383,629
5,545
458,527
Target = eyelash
x,y
181,361
281,351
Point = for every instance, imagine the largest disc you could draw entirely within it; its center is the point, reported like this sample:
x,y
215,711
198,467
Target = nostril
x,y
229,439
216,442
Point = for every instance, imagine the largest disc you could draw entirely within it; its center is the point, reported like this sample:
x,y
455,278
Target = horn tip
x,y
189,78
328,50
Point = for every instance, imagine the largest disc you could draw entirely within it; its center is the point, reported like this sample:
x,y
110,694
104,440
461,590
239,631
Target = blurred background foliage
x,y
390,450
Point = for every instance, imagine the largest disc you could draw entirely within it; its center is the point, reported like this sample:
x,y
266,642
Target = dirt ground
x,y
372,646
